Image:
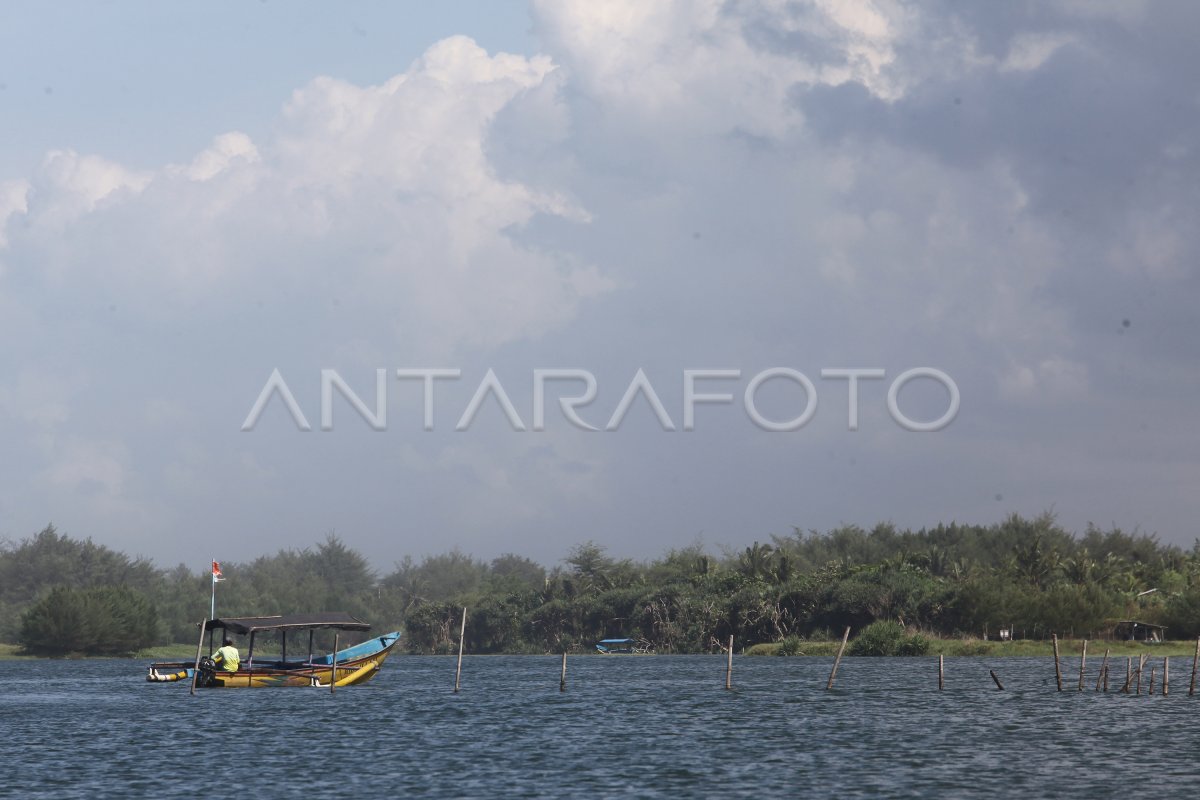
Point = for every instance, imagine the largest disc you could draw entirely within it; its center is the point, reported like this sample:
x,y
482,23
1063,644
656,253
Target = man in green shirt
x,y
227,657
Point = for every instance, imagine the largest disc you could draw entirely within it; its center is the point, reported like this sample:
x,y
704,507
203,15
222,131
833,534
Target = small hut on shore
x,y
1136,631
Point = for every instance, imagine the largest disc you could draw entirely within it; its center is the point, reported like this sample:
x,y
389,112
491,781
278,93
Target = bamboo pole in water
x,y
1128,675
999,685
1166,675
729,665
1141,668
838,660
1057,666
1195,659
1103,676
941,672
333,664
562,679
1082,664
196,666
462,634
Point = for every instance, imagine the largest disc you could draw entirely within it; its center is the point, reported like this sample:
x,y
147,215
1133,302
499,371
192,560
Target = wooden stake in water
x,y
1166,675
1195,659
838,660
1103,676
1150,693
1082,664
1140,669
729,665
1057,666
999,685
333,665
200,645
562,679
462,633
1128,675
941,672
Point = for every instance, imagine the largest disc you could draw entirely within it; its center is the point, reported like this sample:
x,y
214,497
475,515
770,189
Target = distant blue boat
x,y
611,647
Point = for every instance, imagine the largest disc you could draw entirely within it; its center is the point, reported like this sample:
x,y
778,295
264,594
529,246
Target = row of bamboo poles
x,y
1133,677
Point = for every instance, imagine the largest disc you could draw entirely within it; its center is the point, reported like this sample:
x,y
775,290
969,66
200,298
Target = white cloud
x,y
1029,51
705,66
69,186
684,184
226,150
386,189
13,200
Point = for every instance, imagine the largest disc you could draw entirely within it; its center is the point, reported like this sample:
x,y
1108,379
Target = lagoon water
x,y
640,726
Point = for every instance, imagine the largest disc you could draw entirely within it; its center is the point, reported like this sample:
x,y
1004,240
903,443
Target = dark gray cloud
x,y
1000,191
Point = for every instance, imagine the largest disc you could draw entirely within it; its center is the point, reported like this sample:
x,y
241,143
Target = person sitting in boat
x,y
227,657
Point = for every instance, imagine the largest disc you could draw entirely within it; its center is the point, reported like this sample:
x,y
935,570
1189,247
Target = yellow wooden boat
x,y
347,666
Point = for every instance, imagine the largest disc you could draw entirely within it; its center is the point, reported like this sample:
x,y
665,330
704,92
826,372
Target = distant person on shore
x,y
227,658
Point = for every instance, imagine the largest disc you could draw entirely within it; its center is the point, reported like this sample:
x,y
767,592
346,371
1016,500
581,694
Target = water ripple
x,y
635,727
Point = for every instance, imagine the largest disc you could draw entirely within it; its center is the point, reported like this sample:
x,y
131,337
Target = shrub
x,y
106,620
880,638
915,645
789,647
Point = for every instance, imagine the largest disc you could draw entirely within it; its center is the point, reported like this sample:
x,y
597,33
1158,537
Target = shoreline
x,y
955,648
951,648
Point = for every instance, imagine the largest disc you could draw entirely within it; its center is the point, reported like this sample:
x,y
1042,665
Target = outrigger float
x,y
345,667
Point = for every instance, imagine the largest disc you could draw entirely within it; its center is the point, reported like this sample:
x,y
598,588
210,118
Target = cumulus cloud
x,y
70,186
370,219
705,65
1001,191
394,177
226,151
983,187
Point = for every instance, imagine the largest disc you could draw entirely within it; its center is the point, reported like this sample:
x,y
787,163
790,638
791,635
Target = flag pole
x,y
216,577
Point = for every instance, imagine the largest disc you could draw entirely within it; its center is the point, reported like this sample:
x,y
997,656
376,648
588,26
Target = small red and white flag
x,y
217,572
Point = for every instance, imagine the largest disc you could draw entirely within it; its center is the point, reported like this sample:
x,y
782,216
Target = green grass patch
x,y
804,647
10,652
169,652
166,652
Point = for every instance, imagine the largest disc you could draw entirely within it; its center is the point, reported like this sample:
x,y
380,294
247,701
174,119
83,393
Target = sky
x,y
388,221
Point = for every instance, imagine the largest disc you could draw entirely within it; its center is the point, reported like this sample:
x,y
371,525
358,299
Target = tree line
x,y
60,595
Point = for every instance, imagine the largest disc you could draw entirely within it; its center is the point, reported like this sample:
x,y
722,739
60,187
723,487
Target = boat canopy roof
x,y
325,619
617,641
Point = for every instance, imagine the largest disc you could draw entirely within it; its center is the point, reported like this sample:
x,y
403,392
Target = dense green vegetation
x,y
105,620
59,595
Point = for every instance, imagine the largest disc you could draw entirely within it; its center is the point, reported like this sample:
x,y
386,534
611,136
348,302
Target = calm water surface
x,y
627,726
